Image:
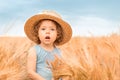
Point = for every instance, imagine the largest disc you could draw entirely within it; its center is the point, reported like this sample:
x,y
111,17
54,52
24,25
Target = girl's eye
x,y
52,29
42,28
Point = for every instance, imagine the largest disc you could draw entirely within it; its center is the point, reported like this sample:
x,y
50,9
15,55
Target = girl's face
x,y
47,32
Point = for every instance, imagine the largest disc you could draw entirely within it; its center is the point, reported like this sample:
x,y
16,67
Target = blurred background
x,y
87,17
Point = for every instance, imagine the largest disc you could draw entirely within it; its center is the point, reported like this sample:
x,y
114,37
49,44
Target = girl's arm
x,y
31,65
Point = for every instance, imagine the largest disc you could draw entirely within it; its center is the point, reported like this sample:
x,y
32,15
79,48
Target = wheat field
x,y
83,58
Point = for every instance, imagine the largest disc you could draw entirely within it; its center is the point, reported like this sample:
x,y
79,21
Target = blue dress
x,y
43,56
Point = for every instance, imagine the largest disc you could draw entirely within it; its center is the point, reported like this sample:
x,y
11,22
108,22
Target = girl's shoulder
x,y
37,48
31,50
58,51
34,49
31,53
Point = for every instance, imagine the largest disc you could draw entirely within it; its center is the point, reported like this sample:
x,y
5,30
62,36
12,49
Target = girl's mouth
x,y
47,37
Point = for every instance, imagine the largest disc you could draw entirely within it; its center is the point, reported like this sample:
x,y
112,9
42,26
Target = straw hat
x,y
30,24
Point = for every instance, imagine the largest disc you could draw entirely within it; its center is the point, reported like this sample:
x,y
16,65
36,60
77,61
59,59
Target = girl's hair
x,y
59,31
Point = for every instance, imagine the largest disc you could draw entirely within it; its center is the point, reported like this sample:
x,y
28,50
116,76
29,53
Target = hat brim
x,y
30,24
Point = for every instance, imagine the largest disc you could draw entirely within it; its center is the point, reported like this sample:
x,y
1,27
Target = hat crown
x,y
51,13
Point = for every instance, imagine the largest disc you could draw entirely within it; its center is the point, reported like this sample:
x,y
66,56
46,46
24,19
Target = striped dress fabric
x,y
44,56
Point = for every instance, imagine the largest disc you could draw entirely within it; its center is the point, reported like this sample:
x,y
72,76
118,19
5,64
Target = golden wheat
x,y
83,58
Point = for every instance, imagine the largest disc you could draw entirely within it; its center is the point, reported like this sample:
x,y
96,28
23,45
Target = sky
x,y
86,17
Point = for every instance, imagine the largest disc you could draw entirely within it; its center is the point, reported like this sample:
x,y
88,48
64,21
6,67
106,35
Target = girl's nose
x,y
47,31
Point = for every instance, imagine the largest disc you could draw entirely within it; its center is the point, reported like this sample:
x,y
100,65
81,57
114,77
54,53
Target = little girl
x,y
48,31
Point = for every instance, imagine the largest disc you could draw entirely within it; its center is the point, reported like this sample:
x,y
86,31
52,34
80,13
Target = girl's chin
x,y
47,43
